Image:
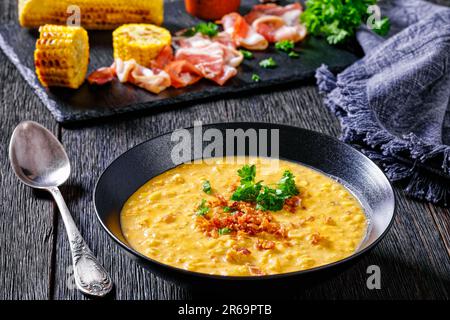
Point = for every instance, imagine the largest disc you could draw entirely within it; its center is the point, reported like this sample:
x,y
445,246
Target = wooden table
x,y
34,254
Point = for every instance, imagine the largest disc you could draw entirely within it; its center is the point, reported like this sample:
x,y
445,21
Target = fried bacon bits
x,y
292,203
254,270
265,244
238,255
243,217
315,238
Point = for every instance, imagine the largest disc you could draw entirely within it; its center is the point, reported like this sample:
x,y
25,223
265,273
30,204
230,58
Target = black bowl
x,y
358,173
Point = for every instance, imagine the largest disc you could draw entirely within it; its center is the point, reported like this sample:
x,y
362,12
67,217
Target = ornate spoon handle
x,y
90,277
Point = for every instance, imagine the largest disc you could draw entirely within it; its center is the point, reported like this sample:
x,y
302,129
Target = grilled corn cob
x,y
94,14
141,42
62,56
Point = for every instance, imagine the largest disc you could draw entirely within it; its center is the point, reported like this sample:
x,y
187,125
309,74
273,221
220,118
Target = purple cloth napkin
x,y
394,103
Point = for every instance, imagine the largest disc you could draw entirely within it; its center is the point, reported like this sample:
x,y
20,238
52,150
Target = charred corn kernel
x,y
61,57
94,14
141,42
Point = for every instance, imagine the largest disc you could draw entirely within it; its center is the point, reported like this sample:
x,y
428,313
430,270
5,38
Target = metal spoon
x,y
40,161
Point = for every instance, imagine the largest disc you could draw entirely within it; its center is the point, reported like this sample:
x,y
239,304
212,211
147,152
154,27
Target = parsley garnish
x,y
247,191
382,26
247,173
206,186
270,199
287,184
209,29
337,20
288,47
266,198
256,78
285,45
202,209
230,210
268,63
224,231
246,54
293,55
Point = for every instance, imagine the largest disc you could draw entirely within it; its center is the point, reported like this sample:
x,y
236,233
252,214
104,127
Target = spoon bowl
x,y
37,157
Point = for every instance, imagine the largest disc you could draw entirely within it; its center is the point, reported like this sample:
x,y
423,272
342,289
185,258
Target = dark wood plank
x,y
412,258
26,230
441,218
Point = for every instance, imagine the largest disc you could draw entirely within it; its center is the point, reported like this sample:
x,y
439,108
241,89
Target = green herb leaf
x,y
270,199
293,55
224,231
189,32
247,54
209,29
206,186
256,78
266,198
285,45
230,210
202,209
382,27
247,191
287,185
337,20
247,173
268,63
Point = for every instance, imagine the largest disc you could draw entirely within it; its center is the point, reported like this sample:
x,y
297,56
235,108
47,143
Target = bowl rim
x,y
249,278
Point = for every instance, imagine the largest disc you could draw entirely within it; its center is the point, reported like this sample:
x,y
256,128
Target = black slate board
x,y
89,102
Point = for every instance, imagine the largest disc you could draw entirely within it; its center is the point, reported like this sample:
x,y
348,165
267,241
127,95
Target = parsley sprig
x,y
209,29
247,54
285,45
202,209
224,231
206,186
266,198
337,20
268,63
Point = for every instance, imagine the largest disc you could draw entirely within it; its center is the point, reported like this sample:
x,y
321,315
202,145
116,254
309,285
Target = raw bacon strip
x,y
196,41
182,73
232,56
274,29
277,23
227,73
124,68
242,33
164,58
225,39
268,26
208,59
289,13
214,60
102,75
153,80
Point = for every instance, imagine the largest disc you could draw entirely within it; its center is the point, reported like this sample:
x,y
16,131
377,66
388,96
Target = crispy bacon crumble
x,y
244,217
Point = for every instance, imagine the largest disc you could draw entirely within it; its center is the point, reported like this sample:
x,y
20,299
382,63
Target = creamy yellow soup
x,y
325,223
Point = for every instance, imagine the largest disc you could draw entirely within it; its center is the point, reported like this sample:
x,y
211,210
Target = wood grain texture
x,y
413,257
26,228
